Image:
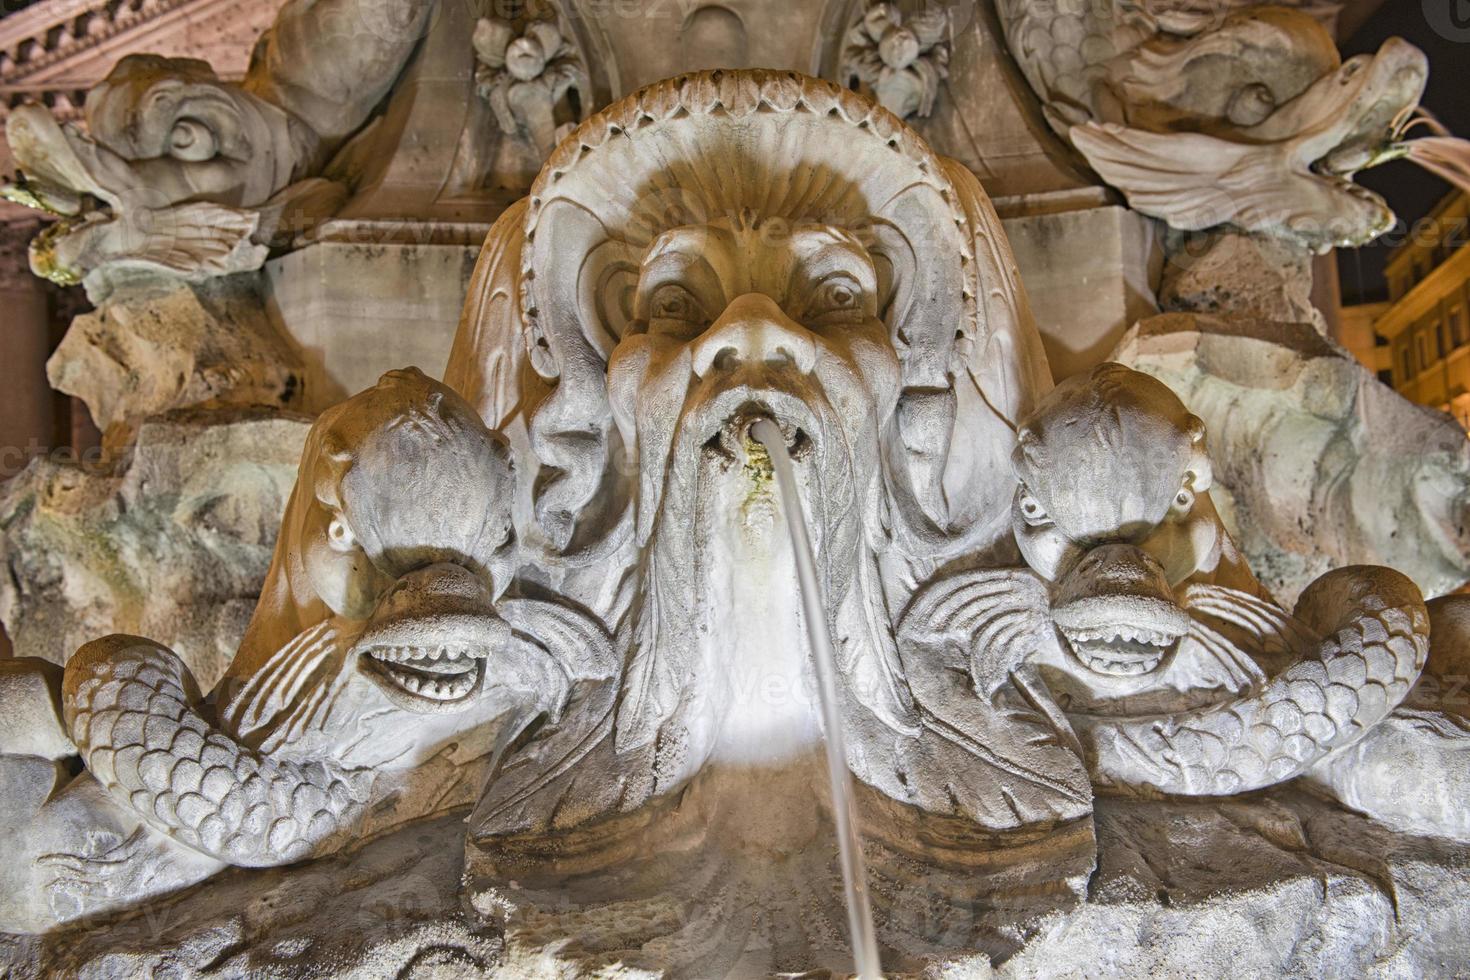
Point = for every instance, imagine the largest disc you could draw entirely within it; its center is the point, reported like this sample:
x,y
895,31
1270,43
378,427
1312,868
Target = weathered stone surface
x,y
368,297
1275,885
1281,884
173,545
1090,275
30,724
164,344
1244,275
1317,463
391,909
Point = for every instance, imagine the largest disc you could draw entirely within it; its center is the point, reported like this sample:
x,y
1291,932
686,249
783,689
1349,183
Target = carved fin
x,y
198,240
1194,181
997,618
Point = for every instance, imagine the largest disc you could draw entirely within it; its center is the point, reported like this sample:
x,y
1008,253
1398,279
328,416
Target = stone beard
x,y
734,321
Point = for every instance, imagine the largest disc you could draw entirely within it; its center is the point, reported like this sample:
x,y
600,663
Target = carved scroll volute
x,y
546,392
973,367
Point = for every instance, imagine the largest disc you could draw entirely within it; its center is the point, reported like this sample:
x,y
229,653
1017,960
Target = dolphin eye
x,y
192,140
1031,510
339,535
1183,500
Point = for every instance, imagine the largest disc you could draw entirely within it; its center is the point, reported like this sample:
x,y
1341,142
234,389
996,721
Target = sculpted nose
x,y
753,330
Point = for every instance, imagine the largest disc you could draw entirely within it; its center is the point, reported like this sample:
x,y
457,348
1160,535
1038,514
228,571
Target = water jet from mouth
x,y
854,874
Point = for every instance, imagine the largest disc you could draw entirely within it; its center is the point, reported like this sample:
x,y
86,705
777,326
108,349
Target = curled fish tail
x,y
1375,642
134,711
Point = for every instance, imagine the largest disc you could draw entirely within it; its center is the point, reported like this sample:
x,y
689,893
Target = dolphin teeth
x,y
443,673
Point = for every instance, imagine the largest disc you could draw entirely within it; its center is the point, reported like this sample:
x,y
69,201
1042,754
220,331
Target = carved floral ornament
x,y
899,59
533,74
557,585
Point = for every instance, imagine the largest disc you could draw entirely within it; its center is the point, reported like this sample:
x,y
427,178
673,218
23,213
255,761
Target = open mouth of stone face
x,y
728,435
734,437
1120,650
438,676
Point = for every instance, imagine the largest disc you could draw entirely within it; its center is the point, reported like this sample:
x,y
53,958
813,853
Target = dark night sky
x,y
1442,29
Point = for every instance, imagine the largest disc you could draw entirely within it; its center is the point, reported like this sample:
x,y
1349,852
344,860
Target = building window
x,y
1406,362
1457,326
1441,340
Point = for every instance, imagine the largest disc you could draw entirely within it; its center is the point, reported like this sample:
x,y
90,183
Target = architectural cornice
x,y
54,51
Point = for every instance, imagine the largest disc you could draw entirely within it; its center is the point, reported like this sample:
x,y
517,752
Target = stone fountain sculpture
x,y
557,587
1207,114
181,172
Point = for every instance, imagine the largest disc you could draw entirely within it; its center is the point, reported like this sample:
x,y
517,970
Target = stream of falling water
x,y
849,848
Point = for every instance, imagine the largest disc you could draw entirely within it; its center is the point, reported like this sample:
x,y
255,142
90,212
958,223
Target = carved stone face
x,y
733,322
1112,510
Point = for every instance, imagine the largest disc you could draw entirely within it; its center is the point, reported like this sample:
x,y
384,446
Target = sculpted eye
x,y
1183,500
340,535
192,140
837,298
1031,510
675,304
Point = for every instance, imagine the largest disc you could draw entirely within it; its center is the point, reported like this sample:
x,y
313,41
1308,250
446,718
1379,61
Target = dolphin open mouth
x,y
1350,121
1120,620
428,642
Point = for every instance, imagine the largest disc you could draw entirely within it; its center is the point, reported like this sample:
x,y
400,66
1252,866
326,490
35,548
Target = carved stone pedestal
x,y
1090,275
367,297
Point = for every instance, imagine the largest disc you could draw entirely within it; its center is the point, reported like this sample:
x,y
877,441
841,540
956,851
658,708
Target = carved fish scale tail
x,y
131,708
1375,641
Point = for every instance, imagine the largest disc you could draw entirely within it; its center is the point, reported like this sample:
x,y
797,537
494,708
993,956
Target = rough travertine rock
x,y
174,546
164,344
1243,275
1320,464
